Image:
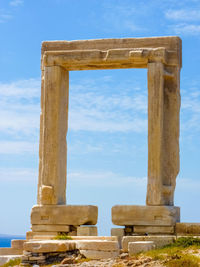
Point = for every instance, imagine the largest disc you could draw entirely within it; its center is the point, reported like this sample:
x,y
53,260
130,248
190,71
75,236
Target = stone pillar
x,y
163,133
53,147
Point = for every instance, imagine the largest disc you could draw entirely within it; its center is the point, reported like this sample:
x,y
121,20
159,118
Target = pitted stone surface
x,y
98,245
97,255
145,215
50,246
64,214
87,231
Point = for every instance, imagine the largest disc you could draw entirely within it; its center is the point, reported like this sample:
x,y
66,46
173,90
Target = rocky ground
x,y
122,261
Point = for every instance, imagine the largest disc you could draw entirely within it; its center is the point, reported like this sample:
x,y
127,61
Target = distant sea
x,y
5,240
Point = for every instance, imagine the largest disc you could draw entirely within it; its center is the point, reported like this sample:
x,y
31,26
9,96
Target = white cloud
x,y
186,29
184,19
20,107
89,110
18,147
121,17
107,178
183,15
19,175
16,2
4,16
190,108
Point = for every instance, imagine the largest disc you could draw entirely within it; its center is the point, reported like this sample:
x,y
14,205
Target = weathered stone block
x,y
97,255
117,231
17,243
145,215
64,214
154,229
49,246
188,228
41,235
87,231
99,245
50,228
11,251
106,238
140,246
159,241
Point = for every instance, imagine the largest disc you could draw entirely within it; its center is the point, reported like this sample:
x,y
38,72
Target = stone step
x,y
11,251
98,245
159,241
108,238
17,243
98,255
44,246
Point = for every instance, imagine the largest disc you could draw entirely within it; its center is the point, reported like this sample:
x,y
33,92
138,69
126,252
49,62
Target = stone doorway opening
x,y
107,114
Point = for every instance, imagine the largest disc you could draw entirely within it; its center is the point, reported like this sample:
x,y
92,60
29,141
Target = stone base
x,y
50,228
98,255
64,215
44,252
87,231
159,241
117,232
168,230
125,215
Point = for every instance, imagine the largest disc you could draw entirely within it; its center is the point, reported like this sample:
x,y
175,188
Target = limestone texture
x,y
50,228
49,246
17,243
64,214
98,255
117,232
98,245
159,241
87,231
162,56
145,215
154,229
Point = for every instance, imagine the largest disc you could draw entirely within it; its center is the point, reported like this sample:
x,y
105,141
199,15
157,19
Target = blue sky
x,y
107,138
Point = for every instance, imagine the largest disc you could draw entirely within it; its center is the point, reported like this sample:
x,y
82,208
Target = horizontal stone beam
x,y
171,43
65,215
145,215
107,59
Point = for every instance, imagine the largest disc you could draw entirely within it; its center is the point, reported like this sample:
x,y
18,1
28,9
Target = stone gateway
x,y
162,58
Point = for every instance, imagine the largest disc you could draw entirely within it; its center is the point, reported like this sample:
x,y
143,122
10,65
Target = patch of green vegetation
x,y
177,254
183,260
12,263
63,236
186,242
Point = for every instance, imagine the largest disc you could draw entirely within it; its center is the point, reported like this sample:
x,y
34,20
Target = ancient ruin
x,y
162,57
143,227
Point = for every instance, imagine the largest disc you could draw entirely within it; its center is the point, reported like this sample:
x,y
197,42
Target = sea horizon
x,y
5,239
